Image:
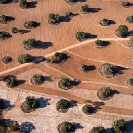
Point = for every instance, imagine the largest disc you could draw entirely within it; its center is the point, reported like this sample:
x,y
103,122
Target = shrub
x,y
65,127
105,93
53,18
7,59
4,19
11,82
125,4
14,30
25,58
130,81
30,43
69,14
48,60
4,35
99,129
84,68
80,36
84,9
62,105
14,126
129,19
104,22
99,43
30,24
107,70
119,126
37,79
88,109
122,31
23,4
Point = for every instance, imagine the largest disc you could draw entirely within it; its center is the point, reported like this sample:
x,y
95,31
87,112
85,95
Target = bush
x,y
99,129
30,24
125,4
37,79
25,58
7,59
88,109
99,43
11,82
84,68
62,105
122,31
104,22
14,30
119,126
65,127
53,18
4,35
4,19
14,126
69,14
80,36
23,4
30,43
129,19
130,81
84,9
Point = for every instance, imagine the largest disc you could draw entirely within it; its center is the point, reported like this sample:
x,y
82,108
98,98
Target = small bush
x,y
14,126
53,18
129,19
30,43
119,126
4,19
11,82
23,4
80,36
130,81
14,30
69,14
84,68
30,24
99,43
88,109
84,9
125,4
4,35
24,58
104,22
99,129
7,59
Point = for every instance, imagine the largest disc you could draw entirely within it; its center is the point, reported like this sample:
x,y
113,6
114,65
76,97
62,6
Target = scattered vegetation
x,y
84,9
119,126
4,35
4,19
66,127
83,68
107,70
23,4
65,84
104,22
25,58
53,18
29,105
105,93
69,14
14,126
88,109
14,30
99,129
99,43
129,19
11,81
125,4
130,82
81,36
7,59
30,24
29,44
37,79
130,43
62,105
121,31
59,58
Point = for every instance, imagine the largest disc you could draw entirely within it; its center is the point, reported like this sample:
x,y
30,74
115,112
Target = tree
x,y
88,109
53,18
122,31
11,82
129,19
84,68
24,58
4,35
30,24
99,43
30,43
4,19
130,81
119,126
69,14
125,4
104,22
14,30
7,59
23,4
14,126
99,129
80,36
84,9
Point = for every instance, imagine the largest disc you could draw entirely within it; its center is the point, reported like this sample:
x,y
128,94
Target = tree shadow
x,y
90,36
5,104
112,22
91,68
10,18
129,126
73,103
27,127
118,70
77,126
107,130
130,33
48,78
65,19
8,35
32,4
5,122
43,45
94,10
75,82
115,92
81,0
38,59
19,82
42,102
24,31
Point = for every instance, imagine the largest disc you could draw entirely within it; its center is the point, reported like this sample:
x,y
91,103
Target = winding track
x,y
61,50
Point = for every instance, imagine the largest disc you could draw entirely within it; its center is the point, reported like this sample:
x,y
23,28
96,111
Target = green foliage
x,y
130,19
130,81
80,35
99,129
99,42
63,104
54,18
118,126
84,8
87,109
11,82
14,30
31,101
122,30
30,43
107,91
69,14
23,4
67,126
48,60
24,58
3,18
14,126
125,4
66,82
3,35
84,67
